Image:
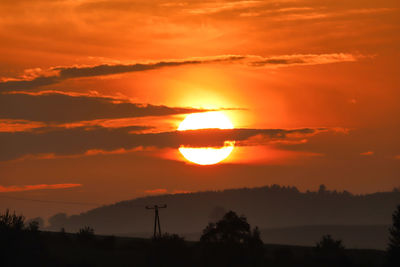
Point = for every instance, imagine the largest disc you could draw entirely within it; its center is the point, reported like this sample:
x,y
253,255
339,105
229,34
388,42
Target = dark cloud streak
x,y
65,73
105,69
64,108
73,141
28,84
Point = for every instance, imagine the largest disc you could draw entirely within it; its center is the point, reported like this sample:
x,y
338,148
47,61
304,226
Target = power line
x,y
66,202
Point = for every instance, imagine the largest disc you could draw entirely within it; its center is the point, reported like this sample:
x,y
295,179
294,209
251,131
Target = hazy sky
x,y
92,92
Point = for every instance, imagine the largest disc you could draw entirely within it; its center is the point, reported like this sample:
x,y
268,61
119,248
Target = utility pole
x,y
156,218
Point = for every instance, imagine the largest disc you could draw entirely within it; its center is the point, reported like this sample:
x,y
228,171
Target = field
x,y
66,249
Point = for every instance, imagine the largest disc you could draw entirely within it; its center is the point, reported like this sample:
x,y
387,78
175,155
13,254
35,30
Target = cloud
x,y
100,70
28,84
65,73
53,106
8,189
7,125
217,137
161,191
79,140
324,13
211,8
310,59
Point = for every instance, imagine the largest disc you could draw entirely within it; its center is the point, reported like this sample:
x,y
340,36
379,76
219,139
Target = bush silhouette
x,y
393,251
33,226
85,233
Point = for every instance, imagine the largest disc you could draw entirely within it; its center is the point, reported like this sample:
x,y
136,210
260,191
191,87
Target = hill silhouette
x,y
266,207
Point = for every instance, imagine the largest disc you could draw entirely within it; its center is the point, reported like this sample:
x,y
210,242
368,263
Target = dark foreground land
x,y
230,241
36,248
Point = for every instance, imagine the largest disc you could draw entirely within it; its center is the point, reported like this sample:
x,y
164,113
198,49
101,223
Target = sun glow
x,y
207,120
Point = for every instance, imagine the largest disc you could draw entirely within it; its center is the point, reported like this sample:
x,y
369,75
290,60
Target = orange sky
x,y
91,93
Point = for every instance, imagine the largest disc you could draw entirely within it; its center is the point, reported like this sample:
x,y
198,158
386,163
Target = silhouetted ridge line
x,y
267,207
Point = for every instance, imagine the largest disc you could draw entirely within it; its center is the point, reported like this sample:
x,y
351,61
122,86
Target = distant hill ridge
x,y
265,207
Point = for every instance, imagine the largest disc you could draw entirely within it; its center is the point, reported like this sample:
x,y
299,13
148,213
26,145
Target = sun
x,y
206,120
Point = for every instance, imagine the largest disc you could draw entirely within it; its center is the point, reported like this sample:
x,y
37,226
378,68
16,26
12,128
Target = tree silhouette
x,y
230,229
11,222
18,243
393,251
330,252
231,242
328,243
322,189
38,220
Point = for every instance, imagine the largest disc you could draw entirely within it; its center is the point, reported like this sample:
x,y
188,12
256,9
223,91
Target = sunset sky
x,y
92,93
